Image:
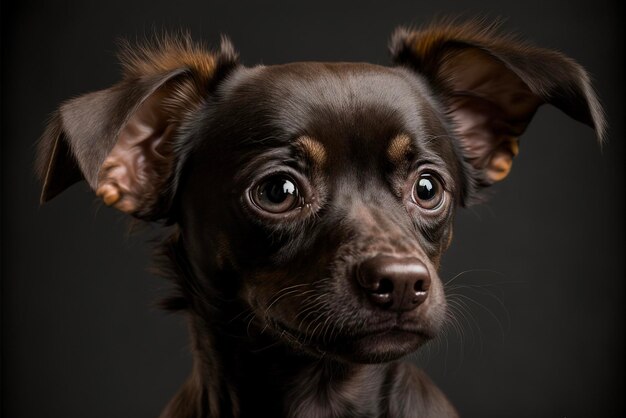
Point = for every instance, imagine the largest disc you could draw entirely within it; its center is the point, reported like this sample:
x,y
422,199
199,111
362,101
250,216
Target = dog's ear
x,y
125,140
492,85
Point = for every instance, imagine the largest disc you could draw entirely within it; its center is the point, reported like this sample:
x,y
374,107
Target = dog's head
x,y
318,195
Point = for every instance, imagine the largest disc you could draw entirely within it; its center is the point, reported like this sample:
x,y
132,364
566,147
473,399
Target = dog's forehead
x,y
334,103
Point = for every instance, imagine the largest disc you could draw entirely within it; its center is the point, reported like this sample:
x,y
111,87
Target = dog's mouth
x,y
377,343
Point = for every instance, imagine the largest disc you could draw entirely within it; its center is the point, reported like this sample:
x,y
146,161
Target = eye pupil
x,y
428,192
278,190
277,194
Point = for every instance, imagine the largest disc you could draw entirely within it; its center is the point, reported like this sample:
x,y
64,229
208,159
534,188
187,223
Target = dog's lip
x,y
393,328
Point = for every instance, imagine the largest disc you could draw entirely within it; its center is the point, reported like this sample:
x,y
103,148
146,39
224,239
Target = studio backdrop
x,y
537,270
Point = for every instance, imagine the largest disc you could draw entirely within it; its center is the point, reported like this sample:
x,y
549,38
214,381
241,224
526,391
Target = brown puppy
x,y
311,202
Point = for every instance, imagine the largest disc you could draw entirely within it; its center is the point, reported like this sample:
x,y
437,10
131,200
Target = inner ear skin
x,y
490,106
136,168
485,138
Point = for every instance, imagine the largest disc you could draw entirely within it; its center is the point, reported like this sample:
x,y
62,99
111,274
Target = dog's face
x,y
330,190
318,196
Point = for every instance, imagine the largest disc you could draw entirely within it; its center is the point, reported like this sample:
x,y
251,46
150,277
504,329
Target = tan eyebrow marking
x,y
313,149
398,148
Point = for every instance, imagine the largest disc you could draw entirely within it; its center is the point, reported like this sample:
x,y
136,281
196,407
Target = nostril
x,y
421,286
381,294
385,286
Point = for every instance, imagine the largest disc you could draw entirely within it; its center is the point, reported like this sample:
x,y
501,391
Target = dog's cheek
x,y
223,253
433,232
444,243
272,293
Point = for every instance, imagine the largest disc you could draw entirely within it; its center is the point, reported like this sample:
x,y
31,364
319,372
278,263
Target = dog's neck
x,y
240,368
244,369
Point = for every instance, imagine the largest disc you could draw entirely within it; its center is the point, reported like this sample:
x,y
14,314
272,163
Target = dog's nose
x,y
398,284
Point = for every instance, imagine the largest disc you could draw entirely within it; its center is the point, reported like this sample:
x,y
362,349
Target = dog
x,y
310,202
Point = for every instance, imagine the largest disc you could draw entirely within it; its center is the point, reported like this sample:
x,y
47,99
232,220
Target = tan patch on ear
x,y
427,41
168,53
501,160
313,149
109,194
398,148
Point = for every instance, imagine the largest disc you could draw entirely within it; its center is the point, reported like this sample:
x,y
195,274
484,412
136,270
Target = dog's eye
x,y
277,194
428,192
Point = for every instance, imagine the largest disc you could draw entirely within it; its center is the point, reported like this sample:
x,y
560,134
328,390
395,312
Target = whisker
x,y
472,271
244,311
283,293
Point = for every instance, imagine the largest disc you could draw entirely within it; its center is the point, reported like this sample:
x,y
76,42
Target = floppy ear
x,y
124,140
492,85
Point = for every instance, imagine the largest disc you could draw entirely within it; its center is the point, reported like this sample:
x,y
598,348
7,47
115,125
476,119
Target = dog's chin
x,y
378,346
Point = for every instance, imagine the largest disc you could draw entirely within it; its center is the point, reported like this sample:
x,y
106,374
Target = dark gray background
x,y
540,311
